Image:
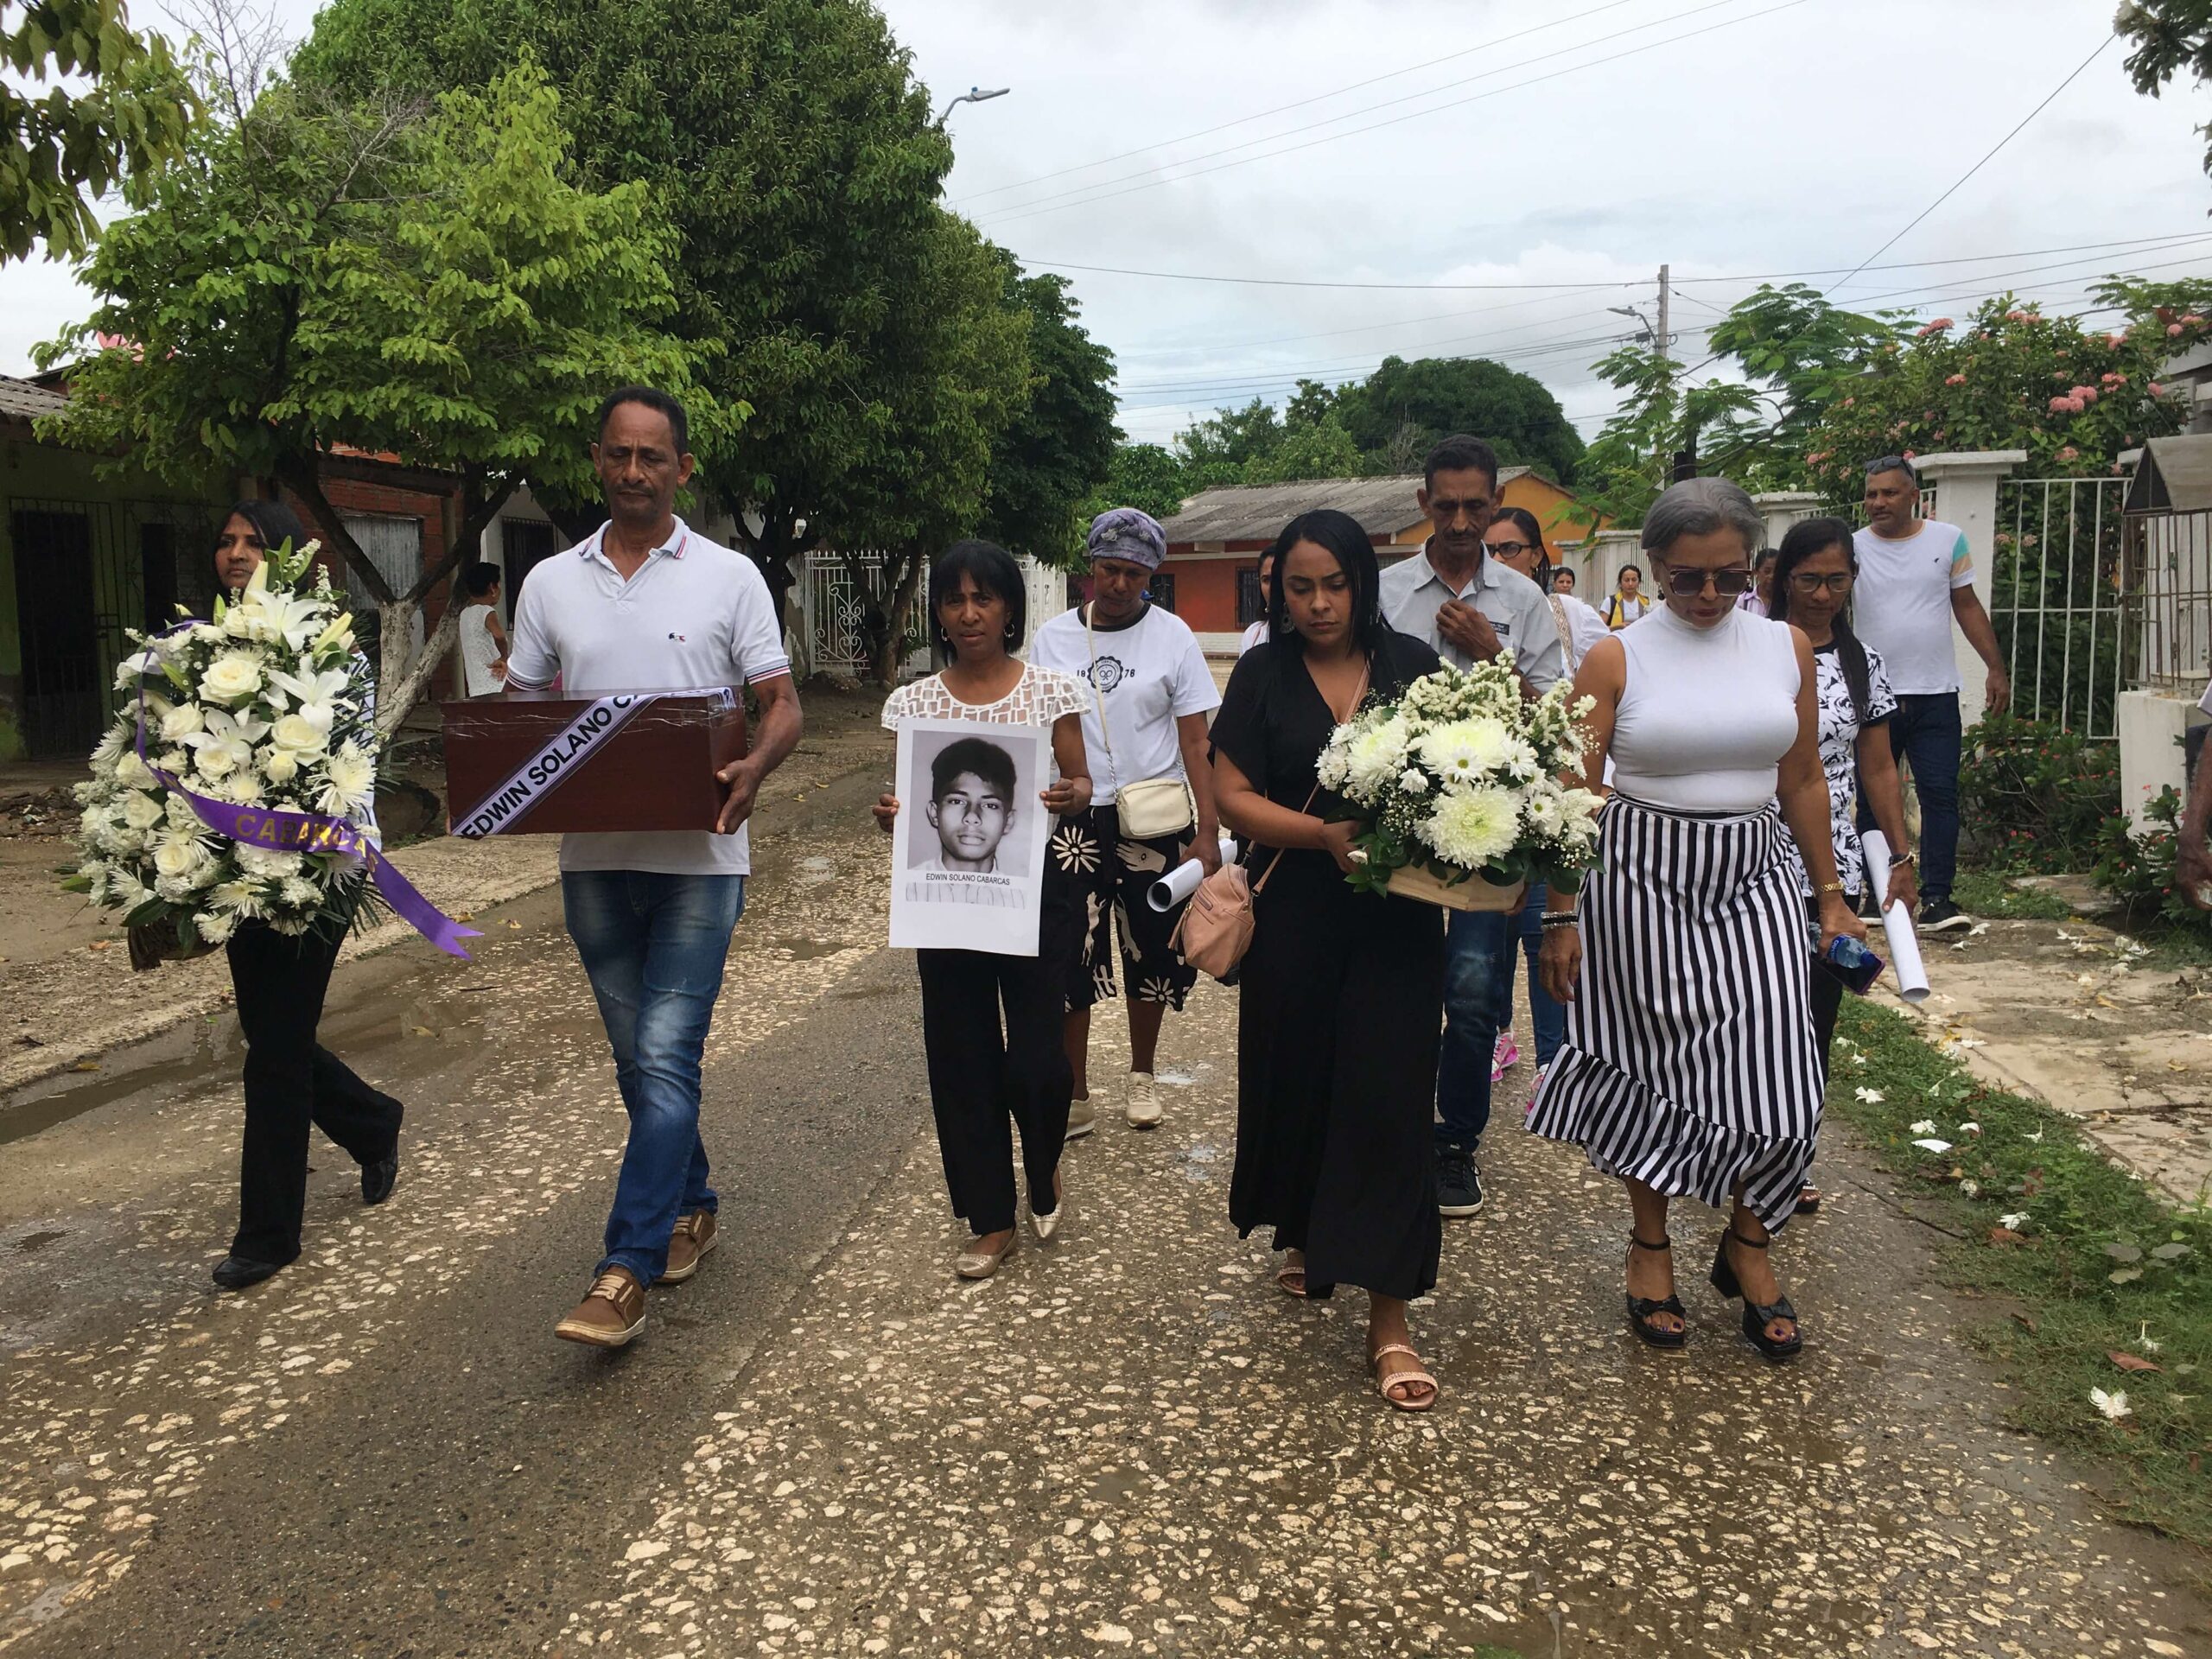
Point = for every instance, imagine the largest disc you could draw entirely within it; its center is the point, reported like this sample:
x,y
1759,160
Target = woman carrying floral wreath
x,y
269,707
1341,1000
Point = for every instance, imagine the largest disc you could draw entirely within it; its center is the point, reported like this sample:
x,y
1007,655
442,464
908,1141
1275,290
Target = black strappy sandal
x,y
1641,1308
1757,1316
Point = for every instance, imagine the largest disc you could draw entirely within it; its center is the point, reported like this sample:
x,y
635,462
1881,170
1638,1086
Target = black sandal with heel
x,y
1641,1308
1757,1316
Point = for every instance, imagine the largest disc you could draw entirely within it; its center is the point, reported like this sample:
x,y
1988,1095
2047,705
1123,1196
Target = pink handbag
x,y
1215,930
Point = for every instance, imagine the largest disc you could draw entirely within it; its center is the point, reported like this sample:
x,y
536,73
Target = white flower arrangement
x,y
1460,777
268,706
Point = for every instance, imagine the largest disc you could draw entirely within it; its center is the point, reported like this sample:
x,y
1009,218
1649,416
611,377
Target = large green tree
x,y
792,148
1404,407
2169,37
1061,447
120,105
422,277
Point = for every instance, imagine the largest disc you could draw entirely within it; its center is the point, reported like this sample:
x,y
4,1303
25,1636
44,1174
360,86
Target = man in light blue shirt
x,y
1471,608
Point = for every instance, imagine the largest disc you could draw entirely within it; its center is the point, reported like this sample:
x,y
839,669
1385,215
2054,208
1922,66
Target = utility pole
x,y
1666,336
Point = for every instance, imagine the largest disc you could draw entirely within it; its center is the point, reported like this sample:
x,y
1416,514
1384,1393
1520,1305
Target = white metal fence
x,y
2066,599
831,621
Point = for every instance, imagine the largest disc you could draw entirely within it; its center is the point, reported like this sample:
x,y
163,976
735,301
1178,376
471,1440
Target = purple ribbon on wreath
x,y
282,831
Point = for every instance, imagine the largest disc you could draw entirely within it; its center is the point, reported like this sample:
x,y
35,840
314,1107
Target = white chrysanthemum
x,y
179,812
353,780
1465,751
1413,781
110,748
1333,768
1377,755
242,788
240,896
1472,827
1546,812
231,678
299,893
215,927
141,810
126,892
266,862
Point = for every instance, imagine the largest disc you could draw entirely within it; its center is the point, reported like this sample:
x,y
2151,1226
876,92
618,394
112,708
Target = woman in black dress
x,y
1342,1003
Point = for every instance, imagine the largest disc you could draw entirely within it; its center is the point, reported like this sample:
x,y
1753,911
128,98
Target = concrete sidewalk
x,y
1129,1440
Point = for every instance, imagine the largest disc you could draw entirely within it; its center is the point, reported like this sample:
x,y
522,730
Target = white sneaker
x,y
1081,1120
1142,1102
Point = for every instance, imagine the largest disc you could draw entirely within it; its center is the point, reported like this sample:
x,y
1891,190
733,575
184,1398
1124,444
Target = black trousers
x,y
292,1081
988,1079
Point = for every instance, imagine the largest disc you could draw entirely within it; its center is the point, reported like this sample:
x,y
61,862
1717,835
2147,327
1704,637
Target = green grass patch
x,y
1985,893
2103,1280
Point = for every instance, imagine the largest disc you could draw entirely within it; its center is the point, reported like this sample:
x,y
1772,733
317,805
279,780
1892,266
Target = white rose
x,y
300,734
141,811
178,856
232,678
132,772
216,761
181,721
279,765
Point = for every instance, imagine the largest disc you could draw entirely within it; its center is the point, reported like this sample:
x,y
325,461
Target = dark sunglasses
x,y
1806,581
1688,584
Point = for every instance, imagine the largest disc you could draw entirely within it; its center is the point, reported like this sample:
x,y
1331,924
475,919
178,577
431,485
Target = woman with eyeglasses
x,y
1689,1068
1813,579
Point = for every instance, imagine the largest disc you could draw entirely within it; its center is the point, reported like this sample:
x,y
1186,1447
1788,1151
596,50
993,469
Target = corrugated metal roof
x,y
2175,475
21,400
1254,512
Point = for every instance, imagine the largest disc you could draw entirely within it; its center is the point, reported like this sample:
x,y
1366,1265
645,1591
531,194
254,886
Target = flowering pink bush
x,y
2012,379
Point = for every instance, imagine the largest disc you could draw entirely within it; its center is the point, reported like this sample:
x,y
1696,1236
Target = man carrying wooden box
x,y
647,604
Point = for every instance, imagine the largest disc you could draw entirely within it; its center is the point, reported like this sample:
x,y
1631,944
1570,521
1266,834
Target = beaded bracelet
x,y
1560,918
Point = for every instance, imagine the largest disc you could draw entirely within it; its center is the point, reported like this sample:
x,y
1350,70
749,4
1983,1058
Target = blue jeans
x,y
653,947
1478,1001
1547,1013
1925,734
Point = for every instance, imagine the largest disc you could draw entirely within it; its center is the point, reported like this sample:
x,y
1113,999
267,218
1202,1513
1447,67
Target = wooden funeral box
x,y
539,763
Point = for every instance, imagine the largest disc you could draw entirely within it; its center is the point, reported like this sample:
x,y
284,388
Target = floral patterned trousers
x,y
1113,872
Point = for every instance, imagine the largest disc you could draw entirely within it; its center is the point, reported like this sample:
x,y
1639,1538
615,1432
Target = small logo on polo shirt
x,y
677,638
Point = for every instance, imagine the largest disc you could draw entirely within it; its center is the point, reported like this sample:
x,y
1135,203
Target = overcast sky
x,y
1518,185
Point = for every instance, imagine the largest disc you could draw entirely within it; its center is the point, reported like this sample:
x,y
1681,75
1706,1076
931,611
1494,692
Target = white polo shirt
x,y
695,615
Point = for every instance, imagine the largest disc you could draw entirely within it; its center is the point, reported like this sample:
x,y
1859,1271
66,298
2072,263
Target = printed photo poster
x,y
968,862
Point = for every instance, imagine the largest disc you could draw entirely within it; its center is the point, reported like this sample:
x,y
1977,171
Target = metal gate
x,y
2061,595
833,616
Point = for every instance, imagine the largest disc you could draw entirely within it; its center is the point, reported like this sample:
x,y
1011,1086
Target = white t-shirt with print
x,y
1840,726
1902,604
695,615
1149,673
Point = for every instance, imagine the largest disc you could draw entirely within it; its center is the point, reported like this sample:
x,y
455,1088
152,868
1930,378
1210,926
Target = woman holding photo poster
x,y
986,1080
1340,1005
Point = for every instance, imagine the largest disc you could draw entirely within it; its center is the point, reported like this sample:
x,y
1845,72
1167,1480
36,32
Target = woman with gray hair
x,y
1689,1068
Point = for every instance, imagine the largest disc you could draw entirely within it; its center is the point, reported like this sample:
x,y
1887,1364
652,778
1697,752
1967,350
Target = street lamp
x,y
1630,311
973,95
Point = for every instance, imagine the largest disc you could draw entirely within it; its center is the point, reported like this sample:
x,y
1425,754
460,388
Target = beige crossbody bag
x,y
1150,809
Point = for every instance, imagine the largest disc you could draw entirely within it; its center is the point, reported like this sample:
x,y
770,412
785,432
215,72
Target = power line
x,y
2047,102
1375,126
1363,329
1640,281
1298,104
1150,177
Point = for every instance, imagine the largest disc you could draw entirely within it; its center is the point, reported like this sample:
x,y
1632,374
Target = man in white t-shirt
x,y
647,604
1257,634
1149,677
1916,576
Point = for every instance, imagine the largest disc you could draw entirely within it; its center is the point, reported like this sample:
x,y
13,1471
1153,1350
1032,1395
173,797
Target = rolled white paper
x,y
1896,922
1179,883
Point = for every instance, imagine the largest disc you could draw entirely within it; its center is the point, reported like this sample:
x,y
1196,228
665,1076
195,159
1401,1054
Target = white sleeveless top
x,y
1706,714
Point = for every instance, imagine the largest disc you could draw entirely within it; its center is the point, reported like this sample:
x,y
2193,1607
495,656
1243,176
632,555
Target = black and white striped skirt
x,y
1689,1062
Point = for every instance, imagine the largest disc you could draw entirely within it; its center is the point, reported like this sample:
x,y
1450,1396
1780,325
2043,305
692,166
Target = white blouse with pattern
x,y
1040,697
